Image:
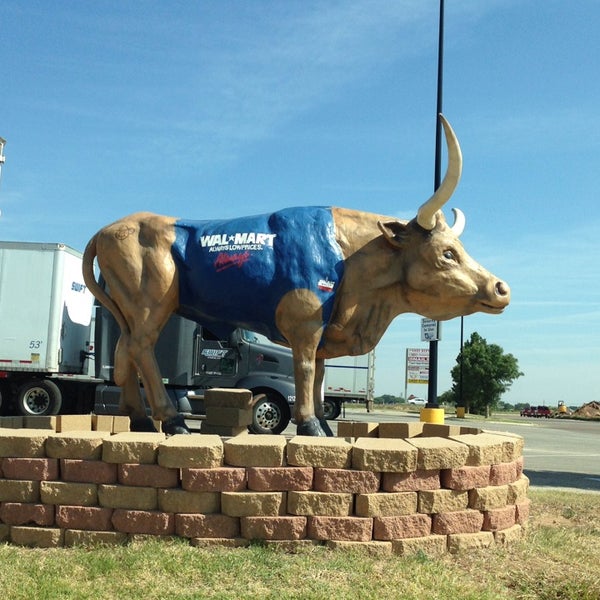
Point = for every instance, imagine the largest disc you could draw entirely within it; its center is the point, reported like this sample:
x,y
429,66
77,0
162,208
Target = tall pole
x,y
433,345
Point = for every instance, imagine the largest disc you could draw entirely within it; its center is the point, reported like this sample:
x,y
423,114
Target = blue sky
x,y
224,108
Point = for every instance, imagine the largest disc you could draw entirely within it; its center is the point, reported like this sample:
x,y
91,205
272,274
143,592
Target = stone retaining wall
x,y
389,487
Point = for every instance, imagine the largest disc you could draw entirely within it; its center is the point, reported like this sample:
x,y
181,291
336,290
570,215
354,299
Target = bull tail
x,y
89,277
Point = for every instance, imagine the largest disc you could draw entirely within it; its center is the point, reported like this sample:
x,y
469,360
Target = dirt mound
x,y
591,410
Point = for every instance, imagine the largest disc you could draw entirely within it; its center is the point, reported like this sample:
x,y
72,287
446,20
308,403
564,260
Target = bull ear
x,y
393,231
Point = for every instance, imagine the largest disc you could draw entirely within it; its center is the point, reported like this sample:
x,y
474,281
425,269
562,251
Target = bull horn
x,y
426,214
459,222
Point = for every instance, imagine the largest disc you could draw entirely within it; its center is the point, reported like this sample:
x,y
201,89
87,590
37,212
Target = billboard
x,y
417,365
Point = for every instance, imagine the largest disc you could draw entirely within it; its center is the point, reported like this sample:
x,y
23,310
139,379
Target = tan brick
x,y
84,517
522,514
127,497
439,430
441,501
11,422
430,545
319,503
228,398
35,469
290,546
13,490
219,542
4,532
37,537
23,443
488,498
412,481
400,430
517,491
20,513
404,526
386,504
207,526
89,539
255,451
515,441
120,424
39,422
87,471
500,518
180,501
466,478
510,535
75,494
350,529
372,548
195,451
384,455
207,428
253,504
102,423
470,541
231,417
346,481
305,451
462,521
360,429
504,473
82,445
488,448
279,479
439,453
344,429
74,423
221,479
147,476
132,448
273,528
149,522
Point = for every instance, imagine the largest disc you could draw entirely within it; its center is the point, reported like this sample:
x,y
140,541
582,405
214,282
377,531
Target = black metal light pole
x,y
433,345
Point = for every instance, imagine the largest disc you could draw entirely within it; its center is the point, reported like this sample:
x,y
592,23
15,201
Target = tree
x,y
487,373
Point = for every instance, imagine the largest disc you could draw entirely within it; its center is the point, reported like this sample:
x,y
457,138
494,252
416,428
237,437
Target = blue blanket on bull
x,y
233,273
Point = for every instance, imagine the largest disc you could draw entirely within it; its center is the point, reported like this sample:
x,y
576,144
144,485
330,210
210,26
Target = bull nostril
x,y
502,288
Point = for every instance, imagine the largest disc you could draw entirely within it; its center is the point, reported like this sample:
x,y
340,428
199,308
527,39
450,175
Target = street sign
x,y
431,330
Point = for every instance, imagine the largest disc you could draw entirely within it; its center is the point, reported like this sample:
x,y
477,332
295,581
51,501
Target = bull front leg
x,y
318,396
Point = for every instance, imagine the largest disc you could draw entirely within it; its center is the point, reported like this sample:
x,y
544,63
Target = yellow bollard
x,y
460,412
432,415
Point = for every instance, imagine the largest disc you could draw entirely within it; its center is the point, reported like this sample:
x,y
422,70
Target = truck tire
x,y
270,414
331,408
39,398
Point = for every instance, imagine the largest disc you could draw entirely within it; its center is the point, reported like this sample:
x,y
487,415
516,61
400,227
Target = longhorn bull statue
x,y
326,282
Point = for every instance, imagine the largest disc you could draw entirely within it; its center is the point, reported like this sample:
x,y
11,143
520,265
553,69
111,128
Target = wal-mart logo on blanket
x,y
230,242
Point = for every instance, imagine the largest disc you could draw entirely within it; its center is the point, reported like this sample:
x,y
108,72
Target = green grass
x,y
556,561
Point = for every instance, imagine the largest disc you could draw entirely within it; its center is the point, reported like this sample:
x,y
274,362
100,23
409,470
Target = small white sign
x,y
431,330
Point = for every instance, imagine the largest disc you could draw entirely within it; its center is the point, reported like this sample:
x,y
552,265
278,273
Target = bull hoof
x,y
311,427
145,425
175,425
325,427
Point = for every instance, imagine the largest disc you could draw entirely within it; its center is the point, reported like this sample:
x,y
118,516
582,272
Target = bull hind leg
x,y
318,396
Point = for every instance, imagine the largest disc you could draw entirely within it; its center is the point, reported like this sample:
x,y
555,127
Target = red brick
x,y
87,471
151,522
21,513
348,529
346,481
498,519
462,521
503,473
147,476
221,479
411,482
405,526
522,512
465,478
280,479
207,526
34,469
273,528
89,518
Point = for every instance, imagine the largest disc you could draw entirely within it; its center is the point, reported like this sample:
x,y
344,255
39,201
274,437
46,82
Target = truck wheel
x,y
270,414
331,409
39,398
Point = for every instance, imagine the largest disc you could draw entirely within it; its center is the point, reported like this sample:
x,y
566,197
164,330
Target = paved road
x,y
558,453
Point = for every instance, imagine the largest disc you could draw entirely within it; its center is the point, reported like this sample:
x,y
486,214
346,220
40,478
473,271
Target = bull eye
x,y
449,255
